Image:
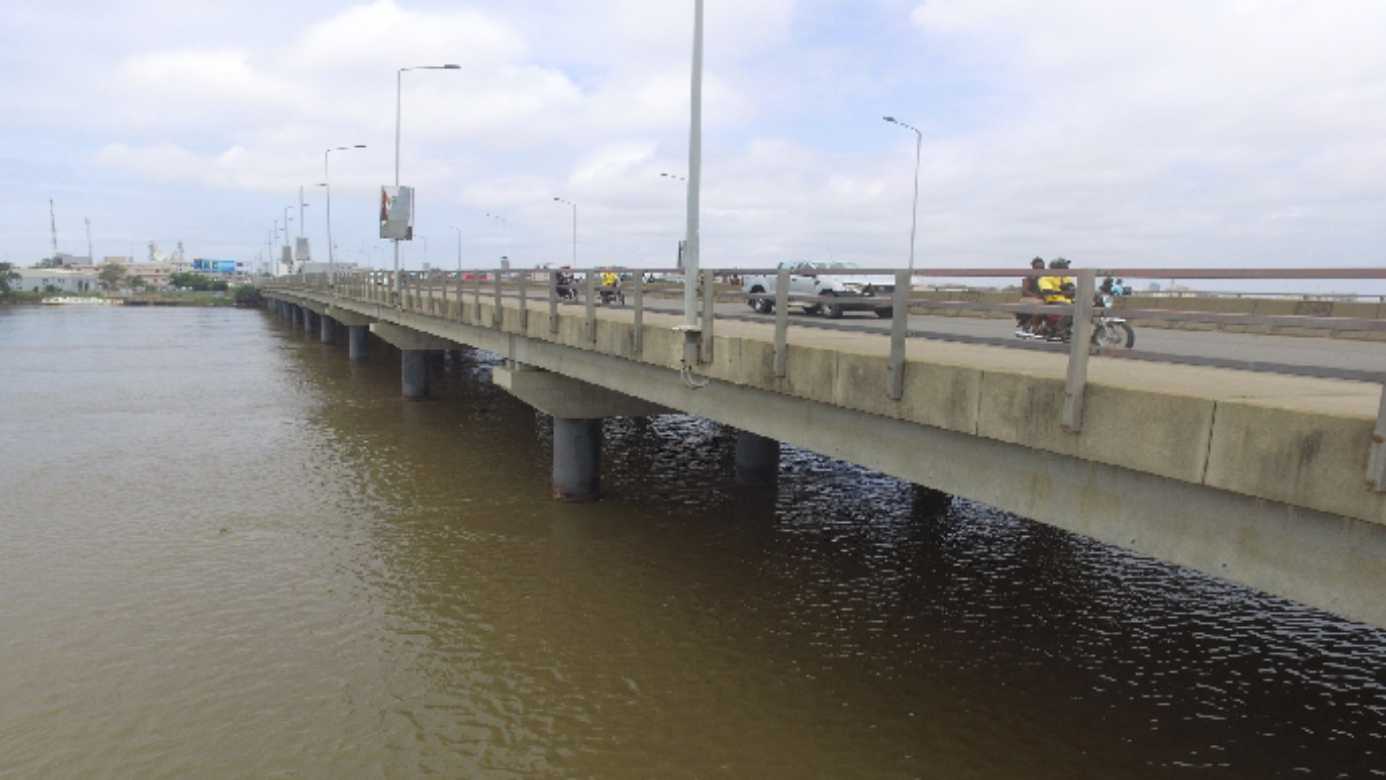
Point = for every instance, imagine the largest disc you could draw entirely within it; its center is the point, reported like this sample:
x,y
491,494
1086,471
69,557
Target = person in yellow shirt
x,y
1057,289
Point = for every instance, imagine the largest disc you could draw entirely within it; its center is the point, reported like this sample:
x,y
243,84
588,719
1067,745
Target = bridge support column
x,y
413,365
757,459
358,336
577,459
309,320
327,333
577,409
927,502
415,360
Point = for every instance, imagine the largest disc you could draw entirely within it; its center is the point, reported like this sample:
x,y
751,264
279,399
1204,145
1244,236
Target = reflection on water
x,y
228,551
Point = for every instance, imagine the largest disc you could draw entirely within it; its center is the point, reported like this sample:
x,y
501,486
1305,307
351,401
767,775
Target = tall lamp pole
x,y
574,205
459,249
914,219
695,173
399,102
327,185
505,230
287,245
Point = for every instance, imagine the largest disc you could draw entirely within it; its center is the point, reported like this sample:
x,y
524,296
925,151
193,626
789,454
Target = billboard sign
x,y
397,213
214,266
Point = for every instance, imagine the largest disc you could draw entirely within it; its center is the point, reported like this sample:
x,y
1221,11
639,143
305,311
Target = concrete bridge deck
x,y
1251,477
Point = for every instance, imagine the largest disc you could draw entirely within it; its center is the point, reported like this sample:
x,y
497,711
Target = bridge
x,y
1264,479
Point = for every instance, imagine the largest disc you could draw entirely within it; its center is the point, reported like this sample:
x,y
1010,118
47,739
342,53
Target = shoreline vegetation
x,y
240,296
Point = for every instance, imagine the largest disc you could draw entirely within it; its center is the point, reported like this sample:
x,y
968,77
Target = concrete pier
x,y
927,502
757,459
414,367
309,320
577,459
327,330
358,336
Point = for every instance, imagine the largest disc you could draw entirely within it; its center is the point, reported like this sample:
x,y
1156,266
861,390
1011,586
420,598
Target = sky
x,y
1113,132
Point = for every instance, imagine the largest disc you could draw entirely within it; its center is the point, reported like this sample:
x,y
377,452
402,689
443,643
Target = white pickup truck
x,y
835,290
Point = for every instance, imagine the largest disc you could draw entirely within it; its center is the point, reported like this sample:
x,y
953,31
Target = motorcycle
x,y
565,287
1108,332
611,295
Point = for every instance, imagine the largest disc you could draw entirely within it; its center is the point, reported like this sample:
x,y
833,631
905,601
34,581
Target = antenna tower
x,y
53,226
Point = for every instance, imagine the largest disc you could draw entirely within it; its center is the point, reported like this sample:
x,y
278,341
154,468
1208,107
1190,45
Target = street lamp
x,y
504,227
914,219
287,245
327,185
695,172
399,86
459,250
574,205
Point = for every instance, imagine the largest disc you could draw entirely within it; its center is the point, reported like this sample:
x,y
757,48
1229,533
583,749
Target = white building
x,y
64,280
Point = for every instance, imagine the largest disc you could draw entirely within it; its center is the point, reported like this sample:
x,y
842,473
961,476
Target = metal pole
x,y
459,249
695,174
399,82
914,216
327,184
574,235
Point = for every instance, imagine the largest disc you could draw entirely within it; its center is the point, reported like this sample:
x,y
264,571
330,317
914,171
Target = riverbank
x,y
199,299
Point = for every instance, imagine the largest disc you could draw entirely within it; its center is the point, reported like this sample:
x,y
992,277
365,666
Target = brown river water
x,y
225,551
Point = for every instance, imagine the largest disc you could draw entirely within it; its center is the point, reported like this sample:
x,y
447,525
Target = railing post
x,y
638,300
524,302
1376,458
1079,348
781,322
709,316
496,319
553,302
899,328
476,299
590,285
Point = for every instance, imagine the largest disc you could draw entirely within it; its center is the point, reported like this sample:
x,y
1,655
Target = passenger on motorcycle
x,y
1029,289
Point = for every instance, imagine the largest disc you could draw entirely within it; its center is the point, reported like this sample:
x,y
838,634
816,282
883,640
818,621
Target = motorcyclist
x,y
1029,289
611,288
1055,289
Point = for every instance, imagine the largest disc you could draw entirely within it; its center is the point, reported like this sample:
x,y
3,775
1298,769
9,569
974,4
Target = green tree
x,y
137,283
7,276
112,276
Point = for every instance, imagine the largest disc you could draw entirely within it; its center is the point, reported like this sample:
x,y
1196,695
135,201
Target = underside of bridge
x,y
1324,559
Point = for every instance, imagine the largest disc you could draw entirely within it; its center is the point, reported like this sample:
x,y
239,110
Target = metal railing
x,y
459,296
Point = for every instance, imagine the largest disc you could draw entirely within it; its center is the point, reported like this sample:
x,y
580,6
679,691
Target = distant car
x,y
835,290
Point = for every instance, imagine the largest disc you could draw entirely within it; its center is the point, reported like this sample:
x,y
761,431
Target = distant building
x,y
65,260
67,280
153,274
118,260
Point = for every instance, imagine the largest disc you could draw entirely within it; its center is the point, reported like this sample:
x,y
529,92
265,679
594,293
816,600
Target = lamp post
x,y
327,185
459,250
695,172
574,205
399,102
914,218
287,245
505,229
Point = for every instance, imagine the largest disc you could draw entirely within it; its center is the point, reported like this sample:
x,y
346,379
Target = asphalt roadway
x,y
1311,356
1296,355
